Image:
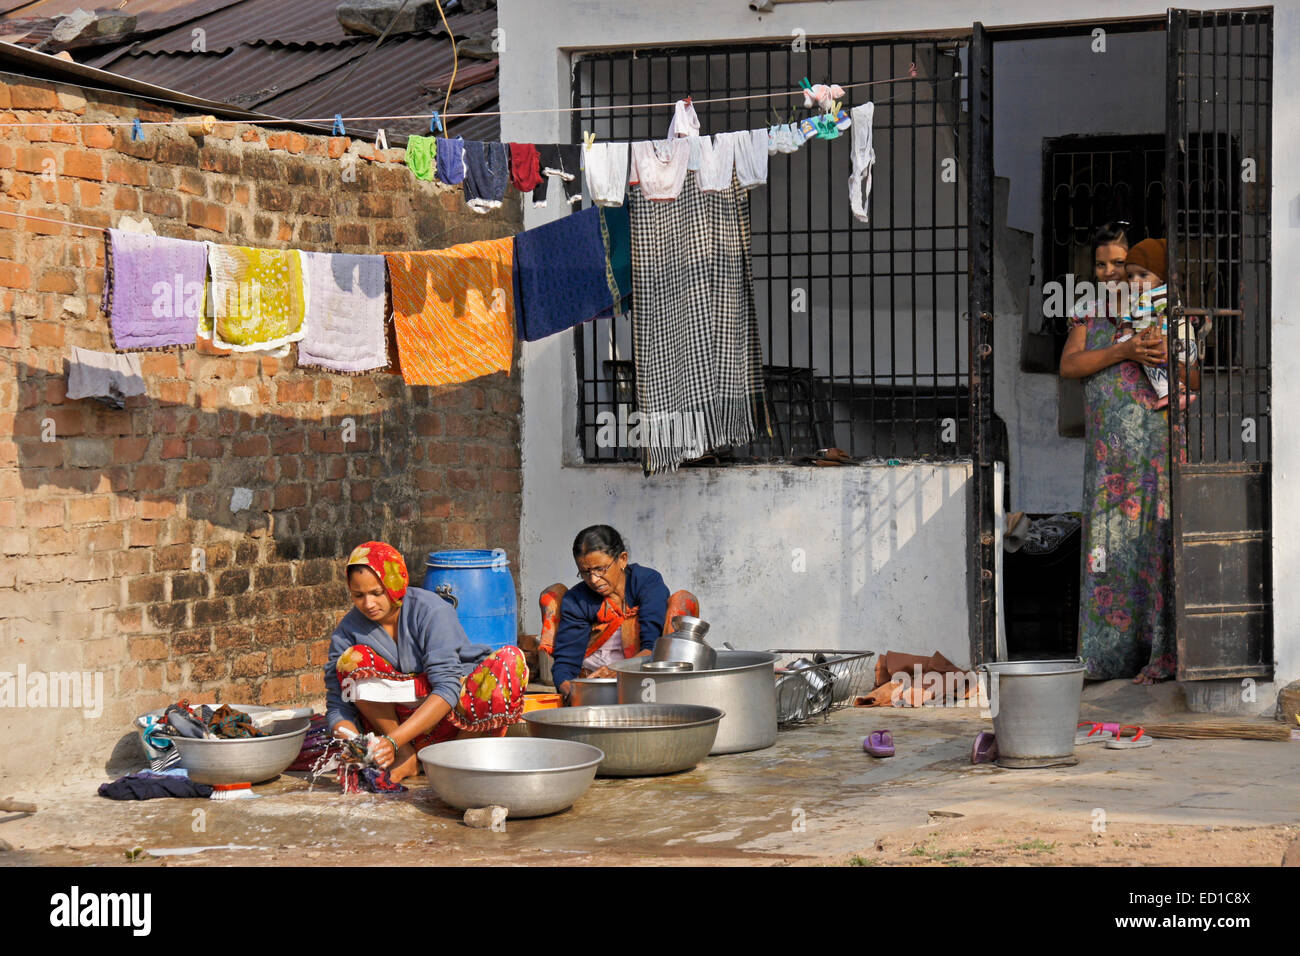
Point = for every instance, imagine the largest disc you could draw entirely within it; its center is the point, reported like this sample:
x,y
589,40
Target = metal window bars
x,y
864,336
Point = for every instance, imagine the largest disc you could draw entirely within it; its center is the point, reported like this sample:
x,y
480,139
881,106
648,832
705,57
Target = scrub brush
x,y
232,791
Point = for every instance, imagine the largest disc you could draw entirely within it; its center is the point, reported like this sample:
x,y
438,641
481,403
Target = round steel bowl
x,y
742,685
639,740
593,691
668,667
527,776
792,692
247,760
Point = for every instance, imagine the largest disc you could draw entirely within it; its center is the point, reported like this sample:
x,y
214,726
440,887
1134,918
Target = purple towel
x,y
153,290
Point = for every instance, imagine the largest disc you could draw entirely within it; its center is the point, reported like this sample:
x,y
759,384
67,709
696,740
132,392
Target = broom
x,y
1216,729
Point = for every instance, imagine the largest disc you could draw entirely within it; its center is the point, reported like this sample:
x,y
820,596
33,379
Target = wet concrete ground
x,y
813,798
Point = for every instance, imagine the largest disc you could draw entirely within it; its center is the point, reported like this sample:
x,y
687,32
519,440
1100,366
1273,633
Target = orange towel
x,y
454,311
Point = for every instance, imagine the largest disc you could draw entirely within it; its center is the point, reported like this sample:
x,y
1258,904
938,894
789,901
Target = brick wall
x,y
101,529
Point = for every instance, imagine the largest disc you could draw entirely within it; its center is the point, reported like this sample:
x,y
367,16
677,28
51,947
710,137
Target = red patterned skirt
x,y
491,697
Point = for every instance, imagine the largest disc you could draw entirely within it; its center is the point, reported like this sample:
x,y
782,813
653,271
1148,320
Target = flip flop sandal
x,y
985,748
1124,742
880,743
1097,732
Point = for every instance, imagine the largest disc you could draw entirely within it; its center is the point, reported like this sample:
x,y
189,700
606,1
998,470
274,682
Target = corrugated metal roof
x,y
250,23
151,14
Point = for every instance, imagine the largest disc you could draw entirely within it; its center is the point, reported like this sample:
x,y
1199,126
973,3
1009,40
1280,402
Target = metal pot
x,y
692,627
593,691
1035,707
742,684
691,650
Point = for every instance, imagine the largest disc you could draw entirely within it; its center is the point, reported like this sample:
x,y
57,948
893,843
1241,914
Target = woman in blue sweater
x,y
618,611
401,667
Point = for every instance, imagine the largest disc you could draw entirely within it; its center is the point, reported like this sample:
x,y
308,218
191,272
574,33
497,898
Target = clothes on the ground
x,y
488,698
606,172
586,618
717,164
1126,588
153,290
563,160
525,167
430,641
148,785
421,153
345,331
450,160
259,297
901,680
694,324
487,174
561,275
454,311
107,377
864,158
660,167
750,148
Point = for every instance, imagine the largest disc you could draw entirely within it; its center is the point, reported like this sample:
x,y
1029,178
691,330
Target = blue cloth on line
x,y
451,161
487,173
560,275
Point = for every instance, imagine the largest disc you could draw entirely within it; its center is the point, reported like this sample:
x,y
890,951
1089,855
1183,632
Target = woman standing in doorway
x,y
1126,591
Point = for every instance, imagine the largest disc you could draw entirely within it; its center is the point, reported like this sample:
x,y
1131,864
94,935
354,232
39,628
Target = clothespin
x,y
835,108
804,84
687,101
338,125
137,131
435,123
588,139
381,139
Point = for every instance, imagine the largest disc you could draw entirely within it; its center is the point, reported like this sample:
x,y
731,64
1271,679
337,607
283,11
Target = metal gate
x,y
1219,165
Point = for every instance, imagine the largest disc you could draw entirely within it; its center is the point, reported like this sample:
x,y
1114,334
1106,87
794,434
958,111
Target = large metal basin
x,y
639,740
250,760
1035,707
527,776
743,685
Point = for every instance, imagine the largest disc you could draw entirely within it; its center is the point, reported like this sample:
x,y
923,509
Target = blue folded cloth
x,y
561,275
147,785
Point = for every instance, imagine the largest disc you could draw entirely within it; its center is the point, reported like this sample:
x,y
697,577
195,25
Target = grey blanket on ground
x,y
109,377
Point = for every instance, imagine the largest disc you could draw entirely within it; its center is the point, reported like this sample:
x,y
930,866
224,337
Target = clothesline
x,y
446,116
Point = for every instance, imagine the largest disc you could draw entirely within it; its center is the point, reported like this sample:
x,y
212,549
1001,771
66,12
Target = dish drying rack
x,y
816,690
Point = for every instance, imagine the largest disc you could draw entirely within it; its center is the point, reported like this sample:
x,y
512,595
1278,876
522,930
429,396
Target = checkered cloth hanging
x,y
694,324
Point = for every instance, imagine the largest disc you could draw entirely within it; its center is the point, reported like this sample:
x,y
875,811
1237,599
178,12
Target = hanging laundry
x,y
751,156
153,290
606,173
345,331
454,311
685,121
864,158
616,231
563,160
487,174
258,296
784,138
561,275
450,160
421,153
525,167
107,377
717,163
694,324
660,166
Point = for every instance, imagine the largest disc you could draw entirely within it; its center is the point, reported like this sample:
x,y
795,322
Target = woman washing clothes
x,y
617,612
401,667
1126,589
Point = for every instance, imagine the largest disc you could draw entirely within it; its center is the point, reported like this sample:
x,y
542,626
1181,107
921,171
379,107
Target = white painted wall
x,y
886,546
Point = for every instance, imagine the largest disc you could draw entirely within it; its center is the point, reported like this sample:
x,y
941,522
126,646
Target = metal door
x,y
1218,85
980,530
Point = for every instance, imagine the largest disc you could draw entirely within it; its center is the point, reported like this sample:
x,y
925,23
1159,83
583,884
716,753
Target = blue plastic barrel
x,y
484,592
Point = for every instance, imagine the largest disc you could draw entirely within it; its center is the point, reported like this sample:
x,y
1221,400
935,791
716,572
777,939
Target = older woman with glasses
x,y
618,610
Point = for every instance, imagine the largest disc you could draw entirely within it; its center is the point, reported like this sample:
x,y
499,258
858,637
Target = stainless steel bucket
x,y
1035,706
742,684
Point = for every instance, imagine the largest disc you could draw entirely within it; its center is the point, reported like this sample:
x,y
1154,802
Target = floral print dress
x,y
1125,597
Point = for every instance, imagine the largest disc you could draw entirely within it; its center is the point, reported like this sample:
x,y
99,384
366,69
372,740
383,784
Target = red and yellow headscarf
x,y
388,565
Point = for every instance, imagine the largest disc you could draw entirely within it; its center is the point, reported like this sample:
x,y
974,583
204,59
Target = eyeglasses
x,y
597,572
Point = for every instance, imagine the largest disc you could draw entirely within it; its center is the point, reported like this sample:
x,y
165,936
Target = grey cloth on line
x,y
108,377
